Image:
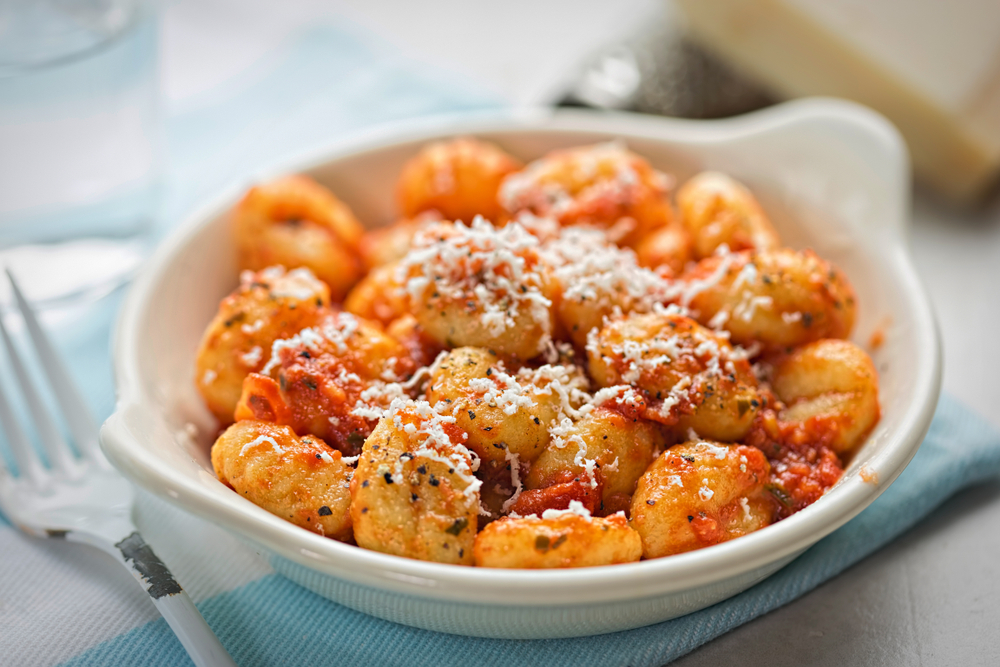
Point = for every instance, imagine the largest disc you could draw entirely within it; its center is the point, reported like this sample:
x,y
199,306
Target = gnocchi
x,y
296,222
537,366
459,179
299,479
238,341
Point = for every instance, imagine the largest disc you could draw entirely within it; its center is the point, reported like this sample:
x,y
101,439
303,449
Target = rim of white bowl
x,y
549,587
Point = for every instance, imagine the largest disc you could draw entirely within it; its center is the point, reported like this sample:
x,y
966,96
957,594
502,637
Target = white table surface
x,y
932,597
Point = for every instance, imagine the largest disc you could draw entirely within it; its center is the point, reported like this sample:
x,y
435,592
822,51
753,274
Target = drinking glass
x,y
79,143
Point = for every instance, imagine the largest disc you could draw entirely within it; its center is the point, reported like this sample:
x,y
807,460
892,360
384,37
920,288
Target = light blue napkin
x,y
273,621
328,84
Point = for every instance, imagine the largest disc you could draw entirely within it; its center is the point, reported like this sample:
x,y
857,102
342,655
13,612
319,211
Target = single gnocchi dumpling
x,y
480,286
379,296
294,221
557,539
268,305
604,185
694,378
458,178
701,493
668,247
778,298
315,380
830,391
299,479
506,415
414,493
718,210
612,444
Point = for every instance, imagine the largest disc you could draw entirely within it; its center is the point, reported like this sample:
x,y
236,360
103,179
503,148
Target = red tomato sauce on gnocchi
x,y
558,364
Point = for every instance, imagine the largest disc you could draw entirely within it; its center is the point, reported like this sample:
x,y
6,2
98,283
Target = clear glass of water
x,y
80,144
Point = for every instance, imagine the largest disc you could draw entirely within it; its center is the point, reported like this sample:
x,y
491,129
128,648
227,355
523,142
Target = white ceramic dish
x,y
832,174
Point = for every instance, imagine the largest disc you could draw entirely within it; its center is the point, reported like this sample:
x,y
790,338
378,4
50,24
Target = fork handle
x,y
192,630
173,603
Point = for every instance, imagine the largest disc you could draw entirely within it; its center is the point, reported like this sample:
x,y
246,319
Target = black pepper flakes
x,y
388,478
324,511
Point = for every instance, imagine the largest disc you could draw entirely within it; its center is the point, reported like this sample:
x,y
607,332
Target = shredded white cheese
x,y
252,357
576,508
494,271
260,439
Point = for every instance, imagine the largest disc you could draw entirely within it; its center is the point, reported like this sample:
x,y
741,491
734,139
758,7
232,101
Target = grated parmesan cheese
x,y
308,338
252,357
717,451
576,508
515,479
494,269
503,391
252,328
434,443
260,439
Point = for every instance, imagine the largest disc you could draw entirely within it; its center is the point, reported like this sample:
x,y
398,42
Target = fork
x,y
82,498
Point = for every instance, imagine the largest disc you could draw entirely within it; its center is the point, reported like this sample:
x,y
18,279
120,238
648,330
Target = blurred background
x,y
117,117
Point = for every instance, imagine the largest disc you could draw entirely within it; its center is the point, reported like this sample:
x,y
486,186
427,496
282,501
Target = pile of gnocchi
x,y
567,363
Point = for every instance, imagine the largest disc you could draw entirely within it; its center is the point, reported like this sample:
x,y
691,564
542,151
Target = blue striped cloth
x,y
273,621
327,84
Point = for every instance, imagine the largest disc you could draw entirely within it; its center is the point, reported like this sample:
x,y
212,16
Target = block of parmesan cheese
x,y
932,67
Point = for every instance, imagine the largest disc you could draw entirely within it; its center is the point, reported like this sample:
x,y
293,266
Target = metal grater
x,y
661,71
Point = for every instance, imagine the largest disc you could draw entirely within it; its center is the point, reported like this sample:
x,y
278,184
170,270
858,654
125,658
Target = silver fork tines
x,y
57,450
81,424
83,499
